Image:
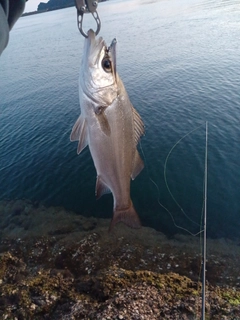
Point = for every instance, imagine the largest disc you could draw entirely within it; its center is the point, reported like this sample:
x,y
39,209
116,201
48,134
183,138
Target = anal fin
x,y
101,188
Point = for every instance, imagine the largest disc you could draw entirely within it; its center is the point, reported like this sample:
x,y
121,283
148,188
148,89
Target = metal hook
x,y
87,6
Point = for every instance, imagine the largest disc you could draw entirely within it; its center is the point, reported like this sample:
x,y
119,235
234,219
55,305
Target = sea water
x,y
179,61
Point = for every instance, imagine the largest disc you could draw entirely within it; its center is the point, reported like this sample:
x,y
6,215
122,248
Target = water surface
x,y
179,61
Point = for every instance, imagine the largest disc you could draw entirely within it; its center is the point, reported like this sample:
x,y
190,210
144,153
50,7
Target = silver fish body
x,y
110,126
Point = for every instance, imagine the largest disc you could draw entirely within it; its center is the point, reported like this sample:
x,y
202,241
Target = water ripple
x,y
179,70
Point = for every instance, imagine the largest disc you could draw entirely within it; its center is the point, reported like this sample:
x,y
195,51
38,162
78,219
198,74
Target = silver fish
x,y
110,126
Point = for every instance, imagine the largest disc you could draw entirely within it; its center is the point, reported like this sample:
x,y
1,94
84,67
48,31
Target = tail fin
x,y
128,216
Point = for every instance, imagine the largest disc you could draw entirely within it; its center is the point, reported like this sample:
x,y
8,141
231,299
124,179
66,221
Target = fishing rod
x,y
204,230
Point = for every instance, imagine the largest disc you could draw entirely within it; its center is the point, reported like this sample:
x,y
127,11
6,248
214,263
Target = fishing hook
x,y
87,6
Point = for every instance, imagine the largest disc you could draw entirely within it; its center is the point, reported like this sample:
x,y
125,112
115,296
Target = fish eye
x,y
107,65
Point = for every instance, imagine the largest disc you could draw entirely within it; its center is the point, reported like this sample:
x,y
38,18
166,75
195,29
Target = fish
x,y
110,126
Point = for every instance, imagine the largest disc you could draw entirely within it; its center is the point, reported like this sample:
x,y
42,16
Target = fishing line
x,y
158,200
202,224
175,224
165,179
165,174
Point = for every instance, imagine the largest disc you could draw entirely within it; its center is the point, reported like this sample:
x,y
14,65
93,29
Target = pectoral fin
x,y
138,165
79,133
103,121
101,188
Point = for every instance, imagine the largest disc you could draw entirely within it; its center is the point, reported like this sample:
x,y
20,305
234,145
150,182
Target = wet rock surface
x,y
55,264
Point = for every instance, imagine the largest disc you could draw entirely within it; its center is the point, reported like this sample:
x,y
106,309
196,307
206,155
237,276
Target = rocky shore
x,y
55,264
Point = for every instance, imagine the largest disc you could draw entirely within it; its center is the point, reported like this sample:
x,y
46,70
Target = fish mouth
x,y
91,36
112,54
95,45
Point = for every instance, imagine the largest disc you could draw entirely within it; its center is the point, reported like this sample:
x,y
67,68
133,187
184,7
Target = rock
x,y
65,266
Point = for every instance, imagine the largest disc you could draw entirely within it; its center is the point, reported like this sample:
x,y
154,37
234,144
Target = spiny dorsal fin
x,y
79,133
101,188
138,126
138,165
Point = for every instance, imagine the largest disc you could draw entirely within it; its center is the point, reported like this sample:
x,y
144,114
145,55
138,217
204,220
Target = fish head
x,y
99,76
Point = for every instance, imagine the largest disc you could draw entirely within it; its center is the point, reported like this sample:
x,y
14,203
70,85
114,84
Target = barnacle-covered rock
x,y
56,264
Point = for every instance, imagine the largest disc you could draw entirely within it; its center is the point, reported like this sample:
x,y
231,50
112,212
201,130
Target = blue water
x,y
179,61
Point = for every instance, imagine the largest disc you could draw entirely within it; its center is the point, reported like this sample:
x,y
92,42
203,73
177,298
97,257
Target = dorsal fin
x,y
138,165
79,133
138,126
